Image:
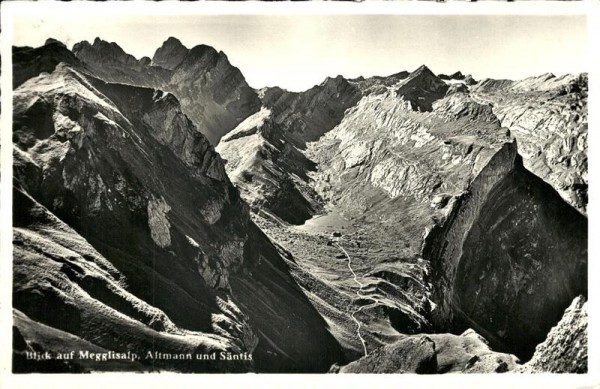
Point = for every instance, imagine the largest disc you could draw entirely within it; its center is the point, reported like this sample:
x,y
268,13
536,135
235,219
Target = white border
x,y
135,8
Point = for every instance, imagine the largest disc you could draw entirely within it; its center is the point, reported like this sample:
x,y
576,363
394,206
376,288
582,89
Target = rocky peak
x,y
109,62
469,80
29,62
213,92
455,76
51,41
170,54
334,81
400,75
270,94
145,61
488,85
422,70
102,51
201,54
422,88
378,84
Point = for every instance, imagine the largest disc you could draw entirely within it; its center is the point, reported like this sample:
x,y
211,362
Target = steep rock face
x,y
435,354
264,152
170,54
306,116
212,92
548,116
565,349
421,88
129,172
268,170
525,245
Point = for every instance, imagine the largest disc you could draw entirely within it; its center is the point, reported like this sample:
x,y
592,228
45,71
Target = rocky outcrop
x,y
411,355
435,354
269,171
157,237
525,245
565,349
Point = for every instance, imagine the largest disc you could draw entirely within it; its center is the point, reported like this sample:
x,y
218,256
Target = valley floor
x,y
330,259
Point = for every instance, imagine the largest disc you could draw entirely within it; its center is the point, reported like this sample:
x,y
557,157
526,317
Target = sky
x,y
297,52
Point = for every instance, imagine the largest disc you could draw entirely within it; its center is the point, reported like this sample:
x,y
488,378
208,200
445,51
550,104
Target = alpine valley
x,y
413,223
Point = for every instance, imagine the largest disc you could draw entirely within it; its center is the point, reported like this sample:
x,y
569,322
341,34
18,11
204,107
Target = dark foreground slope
x,y
158,245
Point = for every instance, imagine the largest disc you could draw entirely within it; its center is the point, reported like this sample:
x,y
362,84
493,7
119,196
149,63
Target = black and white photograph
x,y
283,192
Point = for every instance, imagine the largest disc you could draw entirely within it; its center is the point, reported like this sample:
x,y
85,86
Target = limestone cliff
x,y
509,258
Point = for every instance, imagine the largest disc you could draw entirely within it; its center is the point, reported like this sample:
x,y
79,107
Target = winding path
x,y
358,293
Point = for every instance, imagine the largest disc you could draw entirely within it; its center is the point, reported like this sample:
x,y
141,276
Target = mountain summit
x,y
170,54
212,92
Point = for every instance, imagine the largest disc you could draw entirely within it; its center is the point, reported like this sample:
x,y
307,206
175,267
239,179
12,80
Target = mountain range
x,y
409,223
